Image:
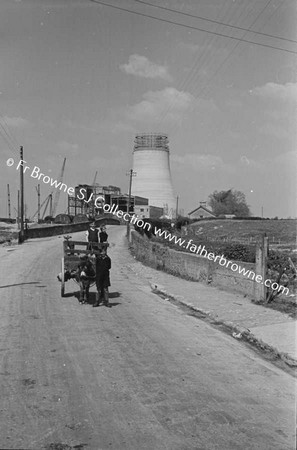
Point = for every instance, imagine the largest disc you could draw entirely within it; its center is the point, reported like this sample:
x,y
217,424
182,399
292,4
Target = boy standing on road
x,y
92,235
103,265
103,236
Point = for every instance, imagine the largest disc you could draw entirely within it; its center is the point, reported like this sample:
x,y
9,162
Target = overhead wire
x,y
7,138
202,90
201,61
215,21
8,132
237,44
194,28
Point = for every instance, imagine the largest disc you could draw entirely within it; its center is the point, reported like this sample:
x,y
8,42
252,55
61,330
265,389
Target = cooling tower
x,y
153,178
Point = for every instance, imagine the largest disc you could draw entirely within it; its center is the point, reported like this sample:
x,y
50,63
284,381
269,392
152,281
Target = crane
x,y
53,204
46,201
94,181
58,191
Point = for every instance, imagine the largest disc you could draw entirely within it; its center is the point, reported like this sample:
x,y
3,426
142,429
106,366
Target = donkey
x,y
85,273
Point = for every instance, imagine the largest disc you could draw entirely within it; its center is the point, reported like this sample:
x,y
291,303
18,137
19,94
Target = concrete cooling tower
x,y
152,167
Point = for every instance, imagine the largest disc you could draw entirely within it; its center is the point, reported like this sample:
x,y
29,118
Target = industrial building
x,y
148,211
138,206
88,202
87,199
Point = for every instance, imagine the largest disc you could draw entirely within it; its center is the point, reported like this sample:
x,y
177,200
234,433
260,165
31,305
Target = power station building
x,y
83,202
152,171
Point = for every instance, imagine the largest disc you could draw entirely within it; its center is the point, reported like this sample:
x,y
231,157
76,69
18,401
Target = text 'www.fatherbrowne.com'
x,y
201,251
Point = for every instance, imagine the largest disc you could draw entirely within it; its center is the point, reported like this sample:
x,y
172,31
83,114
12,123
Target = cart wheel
x,y
63,279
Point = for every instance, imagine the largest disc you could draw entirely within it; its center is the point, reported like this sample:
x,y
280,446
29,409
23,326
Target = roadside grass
x,y
237,239
281,231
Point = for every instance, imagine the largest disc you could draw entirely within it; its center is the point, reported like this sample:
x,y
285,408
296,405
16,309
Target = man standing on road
x,y
103,265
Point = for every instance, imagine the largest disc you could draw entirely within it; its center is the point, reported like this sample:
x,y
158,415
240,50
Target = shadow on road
x,y
114,294
92,297
20,284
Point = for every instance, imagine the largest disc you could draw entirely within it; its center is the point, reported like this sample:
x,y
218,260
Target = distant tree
x,y
229,202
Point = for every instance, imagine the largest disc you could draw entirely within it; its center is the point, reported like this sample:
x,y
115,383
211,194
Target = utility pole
x,y
131,174
51,205
38,202
8,199
18,211
176,214
22,194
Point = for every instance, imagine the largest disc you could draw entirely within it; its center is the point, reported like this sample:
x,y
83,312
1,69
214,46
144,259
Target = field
x,y
281,232
236,239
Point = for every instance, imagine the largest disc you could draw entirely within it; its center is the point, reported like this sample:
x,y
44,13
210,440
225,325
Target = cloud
x,y
169,104
142,67
284,92
16,122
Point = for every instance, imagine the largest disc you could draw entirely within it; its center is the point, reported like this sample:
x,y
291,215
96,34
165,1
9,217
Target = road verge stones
x,y
237,332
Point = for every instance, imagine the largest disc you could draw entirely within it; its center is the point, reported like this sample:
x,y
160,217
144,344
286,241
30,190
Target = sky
x,y
79,79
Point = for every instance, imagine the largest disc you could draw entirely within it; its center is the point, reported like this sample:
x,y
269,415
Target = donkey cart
x,y
72,251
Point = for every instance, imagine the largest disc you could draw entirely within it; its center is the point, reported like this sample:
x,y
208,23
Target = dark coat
x,y
92,235
103,236
103,265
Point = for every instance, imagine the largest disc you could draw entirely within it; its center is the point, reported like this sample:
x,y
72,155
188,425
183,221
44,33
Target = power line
x,y
190,77
7,138
7,135
195,28
236,45
10,135
215,21
202,60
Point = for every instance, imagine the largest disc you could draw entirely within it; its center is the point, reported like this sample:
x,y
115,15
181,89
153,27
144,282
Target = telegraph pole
x,y
21,195
51,205
38,202
131,174
8,199
18,211
176,214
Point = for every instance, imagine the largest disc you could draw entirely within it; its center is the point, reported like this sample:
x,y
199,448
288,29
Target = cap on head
x,y
83,257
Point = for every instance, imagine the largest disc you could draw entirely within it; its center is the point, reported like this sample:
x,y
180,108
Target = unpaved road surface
x,y
140,375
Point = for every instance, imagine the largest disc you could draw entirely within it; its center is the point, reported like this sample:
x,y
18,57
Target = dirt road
x,y
140,375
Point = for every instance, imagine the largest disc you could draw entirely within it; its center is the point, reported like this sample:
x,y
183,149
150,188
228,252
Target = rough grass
x,y
282,231
219,236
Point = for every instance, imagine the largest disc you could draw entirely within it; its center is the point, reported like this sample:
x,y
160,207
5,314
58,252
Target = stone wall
x,y
191,266
54,230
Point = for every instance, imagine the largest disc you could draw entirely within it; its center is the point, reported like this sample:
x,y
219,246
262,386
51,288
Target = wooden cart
x,y
72,250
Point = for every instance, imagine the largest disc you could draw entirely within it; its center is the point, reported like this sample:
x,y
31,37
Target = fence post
x,y
260,290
